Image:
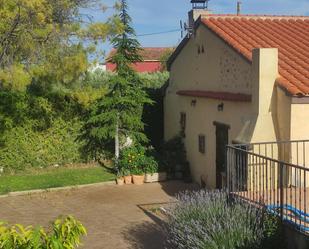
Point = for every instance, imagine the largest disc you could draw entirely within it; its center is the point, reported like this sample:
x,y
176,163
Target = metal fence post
x,y
281,188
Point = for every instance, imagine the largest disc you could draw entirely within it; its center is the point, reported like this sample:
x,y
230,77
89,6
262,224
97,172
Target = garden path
x,y
111,213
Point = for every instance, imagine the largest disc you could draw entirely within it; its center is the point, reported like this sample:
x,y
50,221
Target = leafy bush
x,y
64,234
173,156
209,220
154,80
24,147
137,161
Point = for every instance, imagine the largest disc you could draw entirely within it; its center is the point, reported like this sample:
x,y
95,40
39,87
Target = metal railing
x,y
274,175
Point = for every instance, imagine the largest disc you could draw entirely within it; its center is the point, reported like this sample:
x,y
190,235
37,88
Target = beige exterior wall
x,y
299,150
222,69
300,131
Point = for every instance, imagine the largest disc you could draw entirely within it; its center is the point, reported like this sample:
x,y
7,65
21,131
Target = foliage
x,y
91,87
154,80
65,233
164,58
117,115
273,233
44,41
204,219
151,165
130,159
136,160
173,155
53,177
24,147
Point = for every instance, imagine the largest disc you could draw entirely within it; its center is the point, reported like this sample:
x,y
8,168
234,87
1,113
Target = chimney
x,y
239,3
199,8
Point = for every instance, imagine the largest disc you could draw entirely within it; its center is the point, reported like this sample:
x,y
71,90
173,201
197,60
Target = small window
x,y
203,50
201,144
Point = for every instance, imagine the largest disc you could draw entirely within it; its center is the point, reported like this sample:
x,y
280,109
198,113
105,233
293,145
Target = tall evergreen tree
x,y
118,115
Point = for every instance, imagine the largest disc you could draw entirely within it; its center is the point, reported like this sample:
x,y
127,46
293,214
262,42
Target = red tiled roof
x,y
217,95
289,34
148,54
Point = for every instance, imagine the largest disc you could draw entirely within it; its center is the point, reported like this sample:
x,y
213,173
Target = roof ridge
x,y
263,16
293,62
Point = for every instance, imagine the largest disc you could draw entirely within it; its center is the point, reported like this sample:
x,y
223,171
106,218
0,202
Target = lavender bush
x,y
208,220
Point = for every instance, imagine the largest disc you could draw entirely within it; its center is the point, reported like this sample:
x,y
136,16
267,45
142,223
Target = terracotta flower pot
x,y
128,179
138,180
120,181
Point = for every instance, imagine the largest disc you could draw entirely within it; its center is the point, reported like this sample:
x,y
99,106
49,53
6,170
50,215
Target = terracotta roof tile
x,y
290,34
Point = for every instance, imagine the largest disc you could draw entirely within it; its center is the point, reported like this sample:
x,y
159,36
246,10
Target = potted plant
x,y
138,175
127,177
130,163
153,173
120,180
124,169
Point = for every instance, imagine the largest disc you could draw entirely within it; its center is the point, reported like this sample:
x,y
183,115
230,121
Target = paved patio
x,y
111,213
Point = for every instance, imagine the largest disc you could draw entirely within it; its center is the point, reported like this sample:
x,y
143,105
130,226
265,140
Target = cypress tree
x,y
118,115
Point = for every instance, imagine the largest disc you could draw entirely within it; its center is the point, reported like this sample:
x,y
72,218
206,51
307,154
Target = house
x,y
237,79
152,60
97,67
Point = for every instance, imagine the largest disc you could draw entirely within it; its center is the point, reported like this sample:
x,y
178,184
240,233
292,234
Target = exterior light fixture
x,y
221,107
193,102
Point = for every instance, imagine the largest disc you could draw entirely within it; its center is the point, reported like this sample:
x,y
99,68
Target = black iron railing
x,y
274,175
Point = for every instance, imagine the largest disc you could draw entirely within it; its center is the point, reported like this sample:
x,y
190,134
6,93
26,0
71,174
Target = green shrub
x,y
154,80
25,147
64,234
174,156
136,160
210,220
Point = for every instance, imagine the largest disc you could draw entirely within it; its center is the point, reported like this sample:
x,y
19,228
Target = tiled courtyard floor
x,y
110,213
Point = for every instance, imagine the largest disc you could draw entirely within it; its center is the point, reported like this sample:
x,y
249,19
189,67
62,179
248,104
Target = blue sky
x,y
162,15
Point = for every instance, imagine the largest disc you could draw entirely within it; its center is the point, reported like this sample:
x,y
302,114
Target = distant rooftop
x,y
149,53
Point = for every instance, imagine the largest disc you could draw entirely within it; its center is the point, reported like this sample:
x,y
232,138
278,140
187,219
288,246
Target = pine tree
x,y
118,115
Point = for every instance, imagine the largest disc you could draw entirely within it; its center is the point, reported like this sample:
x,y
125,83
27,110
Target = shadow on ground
x,y
146,235
174,187
150,235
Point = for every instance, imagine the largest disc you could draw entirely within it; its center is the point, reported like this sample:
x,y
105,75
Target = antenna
x,y
184,28
181,29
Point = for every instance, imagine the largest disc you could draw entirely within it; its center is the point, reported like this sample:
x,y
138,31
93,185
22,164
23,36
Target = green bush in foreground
x,y
64,234
209,220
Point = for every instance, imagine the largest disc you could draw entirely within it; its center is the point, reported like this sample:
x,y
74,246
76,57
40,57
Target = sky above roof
x,y
164,15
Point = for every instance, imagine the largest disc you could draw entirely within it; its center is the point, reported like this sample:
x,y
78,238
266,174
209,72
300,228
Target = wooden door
x,y
222,138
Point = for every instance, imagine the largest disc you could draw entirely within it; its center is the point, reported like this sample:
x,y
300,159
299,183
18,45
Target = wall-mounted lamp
x,y
193,102
221,107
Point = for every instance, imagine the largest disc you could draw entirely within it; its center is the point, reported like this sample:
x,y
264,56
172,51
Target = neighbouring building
x,y
151,60
97,67
237,79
